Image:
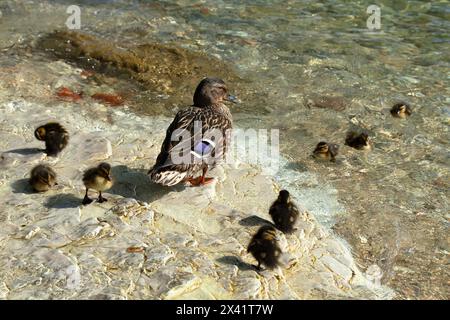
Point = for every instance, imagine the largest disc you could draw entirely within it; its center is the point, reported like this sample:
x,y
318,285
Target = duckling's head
x,y
267,232
284,196
322,147
40,133
212,91
365,137
401,110
104,170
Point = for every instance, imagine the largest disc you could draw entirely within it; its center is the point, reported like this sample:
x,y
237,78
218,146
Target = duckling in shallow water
x,y
99,179
284,212
401,110
326,151
264,247
42,178
55,136
358,141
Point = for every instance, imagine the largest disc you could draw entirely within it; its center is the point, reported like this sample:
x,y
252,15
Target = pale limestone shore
x,y
194,239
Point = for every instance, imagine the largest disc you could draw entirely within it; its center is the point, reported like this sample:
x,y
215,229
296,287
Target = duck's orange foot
x,y
200,181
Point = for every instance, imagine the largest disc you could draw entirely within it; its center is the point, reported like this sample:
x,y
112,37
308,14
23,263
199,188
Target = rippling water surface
x,y
290,54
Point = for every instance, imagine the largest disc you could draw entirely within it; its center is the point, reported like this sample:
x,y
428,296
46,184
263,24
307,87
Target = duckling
x,y
55,136
358,141
99,179
264,247
326,151
284,212
42,178
401,110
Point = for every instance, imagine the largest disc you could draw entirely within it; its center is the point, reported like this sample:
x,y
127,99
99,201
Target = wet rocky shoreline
x,y
193,240
311,71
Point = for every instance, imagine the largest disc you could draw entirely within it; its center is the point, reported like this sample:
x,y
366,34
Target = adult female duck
x,y
198,137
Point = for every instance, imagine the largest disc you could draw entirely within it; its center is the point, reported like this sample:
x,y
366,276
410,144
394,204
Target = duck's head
x,y
212,91
104,170
401,110
284,196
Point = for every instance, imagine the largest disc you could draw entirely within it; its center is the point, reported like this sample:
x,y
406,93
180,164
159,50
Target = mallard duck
x,y
358,141
401,110
55,136
99,179
42,178
326,151
198,137
264,247
284,212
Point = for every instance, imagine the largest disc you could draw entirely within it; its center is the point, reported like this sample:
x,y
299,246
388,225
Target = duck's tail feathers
x,y
166,177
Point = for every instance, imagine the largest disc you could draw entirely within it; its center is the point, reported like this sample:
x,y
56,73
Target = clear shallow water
x,y
287,52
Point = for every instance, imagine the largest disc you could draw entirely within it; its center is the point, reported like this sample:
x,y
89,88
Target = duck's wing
x,y
195,136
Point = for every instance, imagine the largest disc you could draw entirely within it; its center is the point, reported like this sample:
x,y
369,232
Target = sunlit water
x,y
395,198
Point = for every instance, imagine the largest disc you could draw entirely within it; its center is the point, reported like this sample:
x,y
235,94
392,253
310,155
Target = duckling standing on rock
x,y
55,136
358,141
42,178
99,179
188,132
401,110
264,247
326,151
284,212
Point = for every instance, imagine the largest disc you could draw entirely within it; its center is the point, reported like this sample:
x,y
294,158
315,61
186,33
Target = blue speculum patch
x,y
203,147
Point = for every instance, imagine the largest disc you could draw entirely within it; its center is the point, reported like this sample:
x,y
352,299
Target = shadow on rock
x,y
22,186
236,261
63,201
26,151
135,183
254,221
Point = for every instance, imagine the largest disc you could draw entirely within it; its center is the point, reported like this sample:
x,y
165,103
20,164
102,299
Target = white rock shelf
x,y
194,239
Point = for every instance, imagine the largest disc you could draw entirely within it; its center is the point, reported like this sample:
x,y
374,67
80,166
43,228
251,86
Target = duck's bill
x,y
233,99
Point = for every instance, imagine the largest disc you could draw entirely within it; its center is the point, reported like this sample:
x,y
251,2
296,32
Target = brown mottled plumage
x,y
99,179
326,151
264,247
358,141
210,114
42,178
284,212
55,136
401,110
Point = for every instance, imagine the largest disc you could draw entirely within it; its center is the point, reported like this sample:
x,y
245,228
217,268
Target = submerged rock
x,y
164,68
327,102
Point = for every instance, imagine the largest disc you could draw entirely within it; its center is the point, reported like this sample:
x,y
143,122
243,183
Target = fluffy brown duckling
x,y
55,136
99,179
401,110
284,212
326,151
358,141
264,247
42,178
